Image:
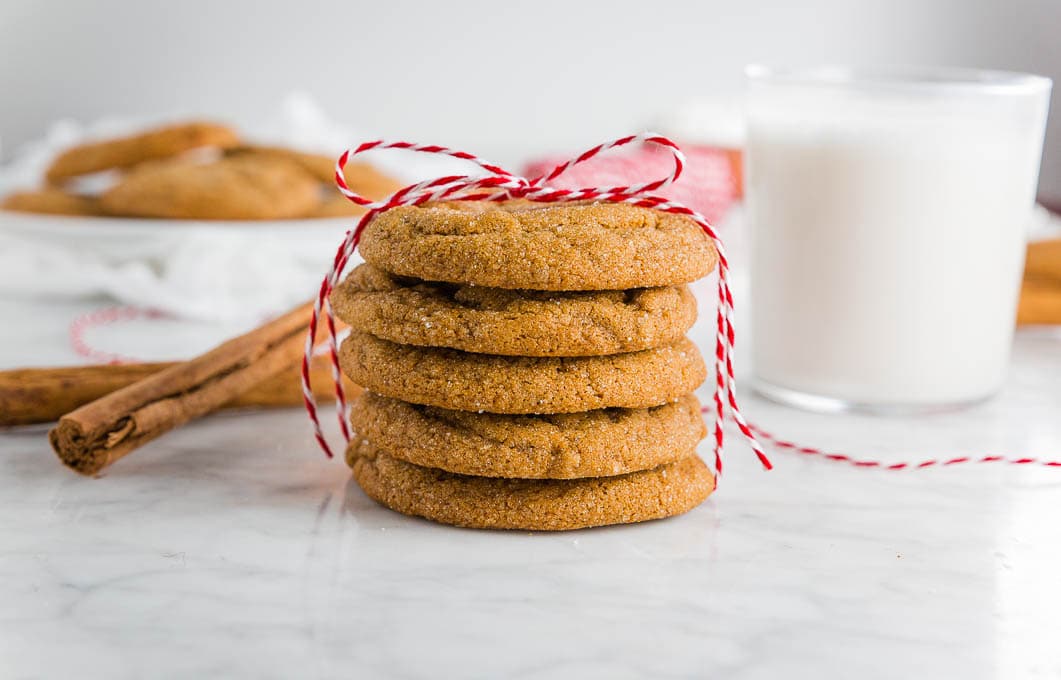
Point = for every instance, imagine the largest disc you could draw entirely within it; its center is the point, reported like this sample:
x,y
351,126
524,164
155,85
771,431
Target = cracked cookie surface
x,y
562,446
521,245
511,322
530,504
498,384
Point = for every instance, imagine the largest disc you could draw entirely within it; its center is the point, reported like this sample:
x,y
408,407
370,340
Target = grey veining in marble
x,y
233,549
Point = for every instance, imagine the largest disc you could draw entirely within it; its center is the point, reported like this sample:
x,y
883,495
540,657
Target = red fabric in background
x,y
710,184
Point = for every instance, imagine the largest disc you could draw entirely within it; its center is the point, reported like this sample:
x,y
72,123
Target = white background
x,y
504,79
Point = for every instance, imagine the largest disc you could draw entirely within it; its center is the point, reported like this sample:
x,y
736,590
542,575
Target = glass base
x,y
820,404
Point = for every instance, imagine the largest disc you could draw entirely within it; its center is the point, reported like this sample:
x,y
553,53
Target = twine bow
x,y
499,184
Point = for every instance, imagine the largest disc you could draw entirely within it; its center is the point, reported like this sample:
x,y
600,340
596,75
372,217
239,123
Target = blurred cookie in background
x,y
319,166
197,171
126,152
361,177
51,201
241,188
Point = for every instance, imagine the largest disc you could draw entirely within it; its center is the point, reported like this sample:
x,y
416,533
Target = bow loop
x,y
431,190
542,193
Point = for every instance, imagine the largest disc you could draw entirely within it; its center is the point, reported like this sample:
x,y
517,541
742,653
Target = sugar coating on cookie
x,y
530,246
598,443
498,384
228,189
530,504
125,152
512,322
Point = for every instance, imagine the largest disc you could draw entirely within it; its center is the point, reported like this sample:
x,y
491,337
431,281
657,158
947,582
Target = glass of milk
x,y
888,212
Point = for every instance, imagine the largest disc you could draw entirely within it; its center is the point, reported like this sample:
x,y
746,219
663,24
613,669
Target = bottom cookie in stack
x,y
531,504
533,472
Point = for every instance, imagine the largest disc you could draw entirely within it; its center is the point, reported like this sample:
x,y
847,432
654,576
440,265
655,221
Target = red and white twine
x,y
498,184
854,461
105,317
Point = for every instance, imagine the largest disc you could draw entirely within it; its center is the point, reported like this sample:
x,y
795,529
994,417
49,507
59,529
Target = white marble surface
x,y
233,549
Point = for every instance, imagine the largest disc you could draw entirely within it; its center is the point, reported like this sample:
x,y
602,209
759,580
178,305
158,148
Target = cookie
x,y
51,201
552,247
496,384
561,446
361,177
126,152
530,504
510,322
227,189
321,167
337,206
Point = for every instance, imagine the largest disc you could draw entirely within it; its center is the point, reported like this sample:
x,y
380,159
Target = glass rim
x,y
904,78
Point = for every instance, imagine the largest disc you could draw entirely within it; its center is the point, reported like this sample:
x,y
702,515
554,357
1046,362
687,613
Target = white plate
x,y
117,239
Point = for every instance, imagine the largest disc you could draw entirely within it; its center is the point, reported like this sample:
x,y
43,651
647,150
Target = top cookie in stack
x,y
525,366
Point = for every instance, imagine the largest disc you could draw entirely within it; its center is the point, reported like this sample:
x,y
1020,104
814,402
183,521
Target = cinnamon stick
x,y
1040,295
1043,262
1040,304
97,434
41,395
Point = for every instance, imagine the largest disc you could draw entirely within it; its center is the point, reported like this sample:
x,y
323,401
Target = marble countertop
x,y
232,549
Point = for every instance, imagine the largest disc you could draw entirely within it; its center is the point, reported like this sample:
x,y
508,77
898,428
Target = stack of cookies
x,y
525,366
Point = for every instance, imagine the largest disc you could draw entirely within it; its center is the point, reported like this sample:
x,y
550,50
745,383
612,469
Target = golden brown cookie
x,y
126,152
510,322
361,177
51,201
530,504
552,247
227,189
320,166
496,384
1043,263
337,206
561,446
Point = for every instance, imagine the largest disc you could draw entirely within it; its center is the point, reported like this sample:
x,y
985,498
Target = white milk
x,y
888,221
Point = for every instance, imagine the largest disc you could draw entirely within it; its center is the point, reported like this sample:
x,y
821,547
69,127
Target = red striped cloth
x,y
710,184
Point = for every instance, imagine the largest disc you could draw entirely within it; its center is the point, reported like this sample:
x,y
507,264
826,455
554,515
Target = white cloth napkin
x,y
201,273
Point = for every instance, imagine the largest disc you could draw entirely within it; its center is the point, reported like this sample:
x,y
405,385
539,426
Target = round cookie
x,y
509,322
227,189
530,504
126,152
496,384
337,206
51,201
599,443
597,246
361,177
